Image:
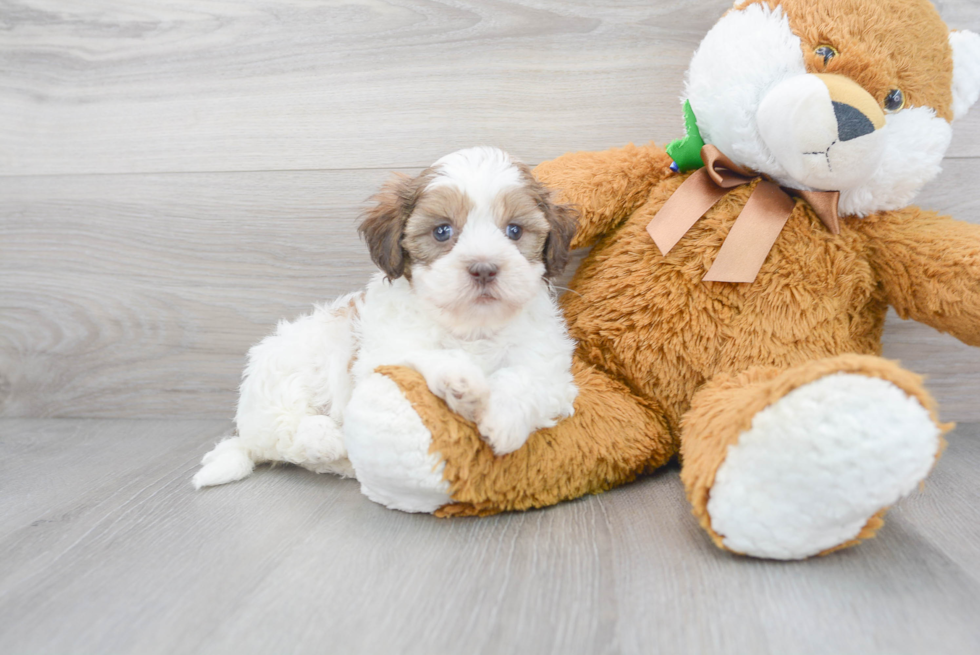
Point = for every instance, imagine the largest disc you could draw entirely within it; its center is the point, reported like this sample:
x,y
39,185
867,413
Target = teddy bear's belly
x,y
651,320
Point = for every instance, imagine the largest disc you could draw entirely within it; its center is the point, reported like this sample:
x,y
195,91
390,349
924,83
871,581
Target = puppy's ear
x,y
563,220
382,224
557,247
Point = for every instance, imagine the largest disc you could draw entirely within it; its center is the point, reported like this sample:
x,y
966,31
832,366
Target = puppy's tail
x,y
229,461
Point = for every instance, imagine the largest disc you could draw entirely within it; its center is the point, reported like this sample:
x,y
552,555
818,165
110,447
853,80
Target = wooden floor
x,y
176,176
106,548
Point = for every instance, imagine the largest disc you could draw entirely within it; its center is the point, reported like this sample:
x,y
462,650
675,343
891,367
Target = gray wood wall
x,y
176,175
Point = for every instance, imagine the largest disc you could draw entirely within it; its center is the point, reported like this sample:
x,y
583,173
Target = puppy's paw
x,y
465,390
503,433
318,445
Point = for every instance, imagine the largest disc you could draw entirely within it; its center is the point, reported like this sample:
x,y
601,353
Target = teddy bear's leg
x,y
411,453
786,464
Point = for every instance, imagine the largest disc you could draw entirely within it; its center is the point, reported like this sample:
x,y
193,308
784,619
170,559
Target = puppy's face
x,y
475,234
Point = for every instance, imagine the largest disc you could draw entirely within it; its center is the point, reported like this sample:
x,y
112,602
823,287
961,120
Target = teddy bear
x,y
731,308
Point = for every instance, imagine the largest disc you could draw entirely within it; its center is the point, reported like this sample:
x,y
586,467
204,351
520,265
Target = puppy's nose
x,y
483,272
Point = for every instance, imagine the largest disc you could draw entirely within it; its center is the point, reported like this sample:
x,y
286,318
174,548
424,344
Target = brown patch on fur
x,y
351,314
882,45
562,219
383,224
517,206
442,205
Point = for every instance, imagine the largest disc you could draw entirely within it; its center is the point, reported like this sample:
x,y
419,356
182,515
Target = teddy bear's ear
x,y
966,71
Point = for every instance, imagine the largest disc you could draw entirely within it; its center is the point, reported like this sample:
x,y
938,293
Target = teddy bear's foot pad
x,y
818,463
389,448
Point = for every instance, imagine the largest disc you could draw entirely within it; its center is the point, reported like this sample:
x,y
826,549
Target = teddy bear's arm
x,y
929,266
606,186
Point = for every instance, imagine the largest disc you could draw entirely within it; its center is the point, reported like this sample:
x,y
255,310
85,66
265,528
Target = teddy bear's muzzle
x,y
825,130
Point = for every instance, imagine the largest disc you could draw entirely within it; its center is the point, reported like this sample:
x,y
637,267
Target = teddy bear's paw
x,y
817,464
503,431
465,390
388,445
318,445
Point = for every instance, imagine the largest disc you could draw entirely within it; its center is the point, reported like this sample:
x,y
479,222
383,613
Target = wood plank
x,y
205,85
59,478
120,555
138,295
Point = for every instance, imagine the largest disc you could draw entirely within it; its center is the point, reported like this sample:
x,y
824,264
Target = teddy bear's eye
x,y
895,100
828,52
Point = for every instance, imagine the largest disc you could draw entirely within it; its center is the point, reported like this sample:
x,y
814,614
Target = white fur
x,y
743,57
749,53
899,176
389,447
446,287
798,125
966,71
481,172
818,463
499,354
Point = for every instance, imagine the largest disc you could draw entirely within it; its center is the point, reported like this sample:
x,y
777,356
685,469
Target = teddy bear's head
x,y
854,96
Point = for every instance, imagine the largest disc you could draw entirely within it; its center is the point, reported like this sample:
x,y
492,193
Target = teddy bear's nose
x,y
857,112
851,123
824,130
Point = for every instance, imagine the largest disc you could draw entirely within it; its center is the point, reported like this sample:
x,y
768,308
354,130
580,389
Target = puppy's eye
x,y
828,52
894,101
442,232
514,231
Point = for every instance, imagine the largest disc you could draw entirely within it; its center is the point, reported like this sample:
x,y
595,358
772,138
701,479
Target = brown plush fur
x,y
539,473
653,337
668,363
875,47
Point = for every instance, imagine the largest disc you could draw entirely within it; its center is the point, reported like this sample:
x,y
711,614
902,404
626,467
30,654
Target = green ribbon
x,y
686,152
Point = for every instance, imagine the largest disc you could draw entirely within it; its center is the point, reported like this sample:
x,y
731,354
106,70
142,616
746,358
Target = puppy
x,y
466,252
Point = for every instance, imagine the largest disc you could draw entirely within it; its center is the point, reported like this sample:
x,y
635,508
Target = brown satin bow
x,y
756,228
